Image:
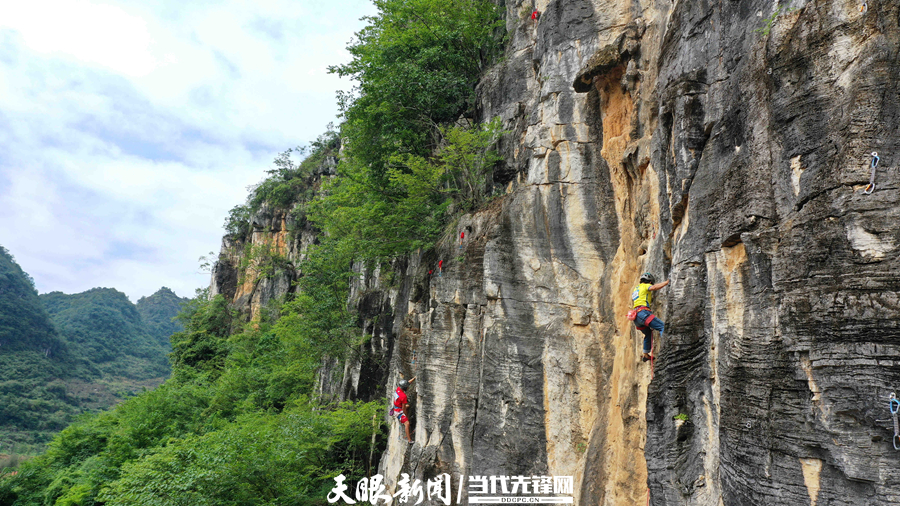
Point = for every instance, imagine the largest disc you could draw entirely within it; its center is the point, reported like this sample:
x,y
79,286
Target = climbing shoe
x,y
645,357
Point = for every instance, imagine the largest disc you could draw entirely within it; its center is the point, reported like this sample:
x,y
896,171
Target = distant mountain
x,y
24,324
157,311
102,326
34,361
61,354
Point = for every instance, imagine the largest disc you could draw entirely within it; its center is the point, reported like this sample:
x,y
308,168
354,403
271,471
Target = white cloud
x,y
129,129
89,32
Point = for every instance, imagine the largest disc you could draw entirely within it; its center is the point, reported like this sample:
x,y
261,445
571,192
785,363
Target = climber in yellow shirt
x,y
644,320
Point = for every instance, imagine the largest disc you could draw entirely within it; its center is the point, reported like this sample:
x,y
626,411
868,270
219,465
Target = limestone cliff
x,y
723,145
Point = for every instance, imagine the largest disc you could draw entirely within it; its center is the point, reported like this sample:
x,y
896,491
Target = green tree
x,y
411,209
416,64
200,347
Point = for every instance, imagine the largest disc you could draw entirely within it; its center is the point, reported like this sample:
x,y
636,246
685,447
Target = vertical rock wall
x,y
781,345
526,364
723,145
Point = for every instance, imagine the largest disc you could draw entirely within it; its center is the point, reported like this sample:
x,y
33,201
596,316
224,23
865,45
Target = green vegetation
x,y
33,401
23,320
238,423
681,416
235,425
103,327
158,312
417,64
287,185
766,28
62,355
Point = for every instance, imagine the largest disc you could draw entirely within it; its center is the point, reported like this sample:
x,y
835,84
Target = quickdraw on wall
x,y
462,237
864,7
895,408
871,187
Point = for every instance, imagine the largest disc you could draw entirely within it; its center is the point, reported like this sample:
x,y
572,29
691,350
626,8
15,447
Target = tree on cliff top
x,y
417,64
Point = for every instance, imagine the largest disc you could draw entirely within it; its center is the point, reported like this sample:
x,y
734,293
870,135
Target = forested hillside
x,y
34,362
158,312
62,355
104,328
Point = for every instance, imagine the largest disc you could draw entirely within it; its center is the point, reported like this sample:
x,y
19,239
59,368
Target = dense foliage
x,y
417,64
103,327
62,355
33,358
23,320
235,425
158,312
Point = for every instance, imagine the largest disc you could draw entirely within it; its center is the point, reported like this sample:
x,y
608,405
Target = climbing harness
x,y
869,189
895,408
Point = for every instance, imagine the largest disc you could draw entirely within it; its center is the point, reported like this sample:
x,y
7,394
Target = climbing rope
x,y
895,408
869,189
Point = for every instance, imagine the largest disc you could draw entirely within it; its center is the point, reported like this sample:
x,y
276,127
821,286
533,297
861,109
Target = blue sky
x,y
128,129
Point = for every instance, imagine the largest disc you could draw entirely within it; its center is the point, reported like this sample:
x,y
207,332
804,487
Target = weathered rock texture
x,y
254,270
722,145
782,333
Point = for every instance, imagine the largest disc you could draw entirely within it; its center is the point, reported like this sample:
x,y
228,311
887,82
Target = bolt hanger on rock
x,y
871,187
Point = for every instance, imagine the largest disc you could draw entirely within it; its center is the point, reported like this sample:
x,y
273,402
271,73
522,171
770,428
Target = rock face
x,y
251,271
723,146
781,344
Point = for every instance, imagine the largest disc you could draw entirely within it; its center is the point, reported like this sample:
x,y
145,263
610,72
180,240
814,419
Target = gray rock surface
x,y
722,145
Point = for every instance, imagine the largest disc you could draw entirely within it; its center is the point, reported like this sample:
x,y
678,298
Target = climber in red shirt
x,y
401,404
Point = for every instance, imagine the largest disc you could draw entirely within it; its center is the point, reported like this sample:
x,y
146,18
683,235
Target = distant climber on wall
x,y
401,404
644,320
